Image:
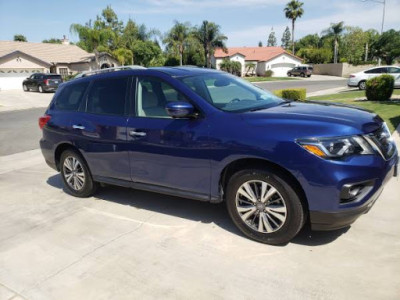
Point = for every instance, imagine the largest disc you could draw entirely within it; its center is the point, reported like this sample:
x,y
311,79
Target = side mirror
x,y
179,109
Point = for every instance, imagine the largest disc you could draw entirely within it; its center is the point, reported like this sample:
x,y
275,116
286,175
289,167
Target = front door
x,y
166,152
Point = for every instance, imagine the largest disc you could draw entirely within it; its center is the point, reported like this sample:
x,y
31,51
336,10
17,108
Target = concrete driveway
x,y
18,99
127,244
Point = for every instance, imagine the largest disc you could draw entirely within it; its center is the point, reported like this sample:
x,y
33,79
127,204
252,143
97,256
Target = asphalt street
x,y
19,130
310,86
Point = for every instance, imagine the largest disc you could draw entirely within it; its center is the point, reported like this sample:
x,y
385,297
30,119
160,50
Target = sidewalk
x,y
18,99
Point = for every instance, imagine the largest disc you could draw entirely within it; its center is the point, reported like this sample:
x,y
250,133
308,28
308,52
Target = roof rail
x,y
107,70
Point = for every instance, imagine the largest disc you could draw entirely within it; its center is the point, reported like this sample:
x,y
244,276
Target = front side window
x,y
230,93
70,96
393,70
107,96
153,95
376,71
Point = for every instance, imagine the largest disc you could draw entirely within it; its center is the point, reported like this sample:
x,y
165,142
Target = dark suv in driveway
x,y
301,71
207,135
42,82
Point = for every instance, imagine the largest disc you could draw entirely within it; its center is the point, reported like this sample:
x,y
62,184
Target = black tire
x,y
88,187
303,75
308,76
295,211
362,85
40,89
25,88
289,74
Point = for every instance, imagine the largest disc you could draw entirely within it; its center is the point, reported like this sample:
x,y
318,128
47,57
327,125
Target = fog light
x,y
355,191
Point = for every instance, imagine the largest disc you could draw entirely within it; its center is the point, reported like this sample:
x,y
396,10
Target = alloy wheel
x,y
261,206
73,173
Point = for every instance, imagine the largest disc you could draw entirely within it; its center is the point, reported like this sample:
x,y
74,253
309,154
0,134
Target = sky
x,y
244,22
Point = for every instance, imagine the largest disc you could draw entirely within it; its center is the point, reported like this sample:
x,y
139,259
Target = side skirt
x,y
154,188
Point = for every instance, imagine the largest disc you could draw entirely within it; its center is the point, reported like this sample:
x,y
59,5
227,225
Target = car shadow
x,y
198,211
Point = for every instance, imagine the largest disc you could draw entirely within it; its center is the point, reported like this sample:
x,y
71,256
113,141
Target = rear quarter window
x,y
70,96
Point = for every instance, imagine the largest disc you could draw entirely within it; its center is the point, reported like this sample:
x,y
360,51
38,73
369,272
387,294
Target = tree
x,y
144,52
260,44
233,67
335,31
286,38
210,36
271,39
124,56
315,55
293,11
388,46
52,41
178,38
353,45
20,38
250,68
308,41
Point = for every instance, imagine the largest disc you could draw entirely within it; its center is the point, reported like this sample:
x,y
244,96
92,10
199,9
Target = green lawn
x,y
256,79
388,110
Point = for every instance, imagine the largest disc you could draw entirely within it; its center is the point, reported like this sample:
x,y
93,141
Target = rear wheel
x,y
264,206
40,89
76,175
302,75
362,85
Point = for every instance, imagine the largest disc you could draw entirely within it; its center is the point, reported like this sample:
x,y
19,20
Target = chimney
x,y
65,41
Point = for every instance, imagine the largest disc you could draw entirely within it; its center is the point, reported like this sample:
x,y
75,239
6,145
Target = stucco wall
x,y
18,61
340,69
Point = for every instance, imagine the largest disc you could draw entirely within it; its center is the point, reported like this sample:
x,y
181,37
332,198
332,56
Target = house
x,y
264,58
18,60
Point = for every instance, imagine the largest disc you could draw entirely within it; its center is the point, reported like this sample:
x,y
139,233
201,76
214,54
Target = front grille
x,y
383,142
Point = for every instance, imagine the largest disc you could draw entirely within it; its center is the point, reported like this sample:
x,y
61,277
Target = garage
x,y
11,79
281,69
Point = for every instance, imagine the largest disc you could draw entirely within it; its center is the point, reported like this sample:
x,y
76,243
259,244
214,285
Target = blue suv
x,y
206,135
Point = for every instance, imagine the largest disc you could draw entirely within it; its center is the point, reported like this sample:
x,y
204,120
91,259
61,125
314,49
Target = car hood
x,y
318,113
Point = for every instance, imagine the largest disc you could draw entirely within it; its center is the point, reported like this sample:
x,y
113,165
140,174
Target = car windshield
x,y
230,93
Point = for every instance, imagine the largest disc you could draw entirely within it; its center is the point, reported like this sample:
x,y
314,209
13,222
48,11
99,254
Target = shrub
x,y
379,88
269,73
292,94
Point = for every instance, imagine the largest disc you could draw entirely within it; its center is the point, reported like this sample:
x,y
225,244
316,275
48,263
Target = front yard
x,y
388,110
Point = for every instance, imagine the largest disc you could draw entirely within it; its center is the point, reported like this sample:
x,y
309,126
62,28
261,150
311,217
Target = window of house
x,y
108,96
70,96
153,95
63,71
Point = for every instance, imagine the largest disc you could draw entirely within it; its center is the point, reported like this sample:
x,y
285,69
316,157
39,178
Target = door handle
x,y
78,127
137,133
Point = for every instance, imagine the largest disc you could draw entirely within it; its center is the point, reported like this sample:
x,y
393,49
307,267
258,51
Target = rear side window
x,y
108,96
71,96
376,71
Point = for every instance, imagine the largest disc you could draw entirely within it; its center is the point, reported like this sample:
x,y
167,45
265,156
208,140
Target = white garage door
x,y
11,79
280,70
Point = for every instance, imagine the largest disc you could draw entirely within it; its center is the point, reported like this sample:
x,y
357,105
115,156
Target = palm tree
x,y
178,38
293,11
210,36
335,32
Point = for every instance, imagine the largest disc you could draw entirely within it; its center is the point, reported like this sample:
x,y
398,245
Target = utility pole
x,y
383,16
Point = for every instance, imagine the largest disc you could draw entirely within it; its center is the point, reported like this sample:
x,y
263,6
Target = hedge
x,y
292,94
379,88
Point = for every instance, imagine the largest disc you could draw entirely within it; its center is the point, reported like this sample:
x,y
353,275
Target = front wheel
x,y
25,88
303,75
76,175
40,89
264,206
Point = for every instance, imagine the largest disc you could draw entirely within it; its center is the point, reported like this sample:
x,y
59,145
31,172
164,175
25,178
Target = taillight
x,y
46,81
352,76
43,121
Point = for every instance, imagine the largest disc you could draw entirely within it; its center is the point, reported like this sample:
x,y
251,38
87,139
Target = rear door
x,y
166,152
99,129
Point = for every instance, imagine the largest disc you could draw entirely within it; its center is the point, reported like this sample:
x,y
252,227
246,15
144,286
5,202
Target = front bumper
x,y
321,220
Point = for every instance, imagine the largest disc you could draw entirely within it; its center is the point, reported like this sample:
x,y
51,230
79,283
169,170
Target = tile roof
x,y
253,53
50,53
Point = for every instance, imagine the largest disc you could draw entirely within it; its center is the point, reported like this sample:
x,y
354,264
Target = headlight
x,y
336,147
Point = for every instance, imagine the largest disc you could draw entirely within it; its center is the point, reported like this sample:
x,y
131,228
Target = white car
x,y
359,79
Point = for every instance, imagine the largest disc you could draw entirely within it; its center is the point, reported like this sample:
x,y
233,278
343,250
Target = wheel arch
x,y
258,163
60,149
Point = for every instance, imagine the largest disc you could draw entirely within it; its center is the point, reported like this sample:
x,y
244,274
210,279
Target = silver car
x,y
359,79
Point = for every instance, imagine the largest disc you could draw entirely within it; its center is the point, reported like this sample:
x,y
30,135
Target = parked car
x,y
302,71
359,79
42,82
210,136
